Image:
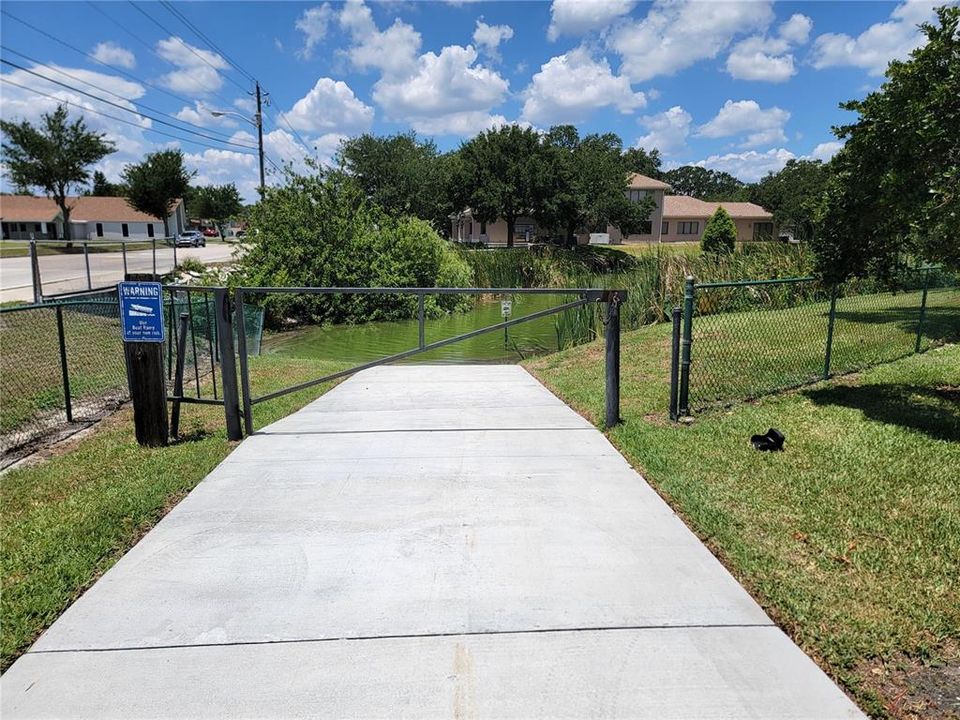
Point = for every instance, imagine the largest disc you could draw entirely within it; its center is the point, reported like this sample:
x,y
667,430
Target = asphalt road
x,y
68,273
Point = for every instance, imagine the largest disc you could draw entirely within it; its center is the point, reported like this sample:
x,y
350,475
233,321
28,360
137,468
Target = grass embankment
x,y
66,520
851,537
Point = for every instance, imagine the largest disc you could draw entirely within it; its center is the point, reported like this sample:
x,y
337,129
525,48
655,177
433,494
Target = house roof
x,y
682,206
26,208
642,182
90,208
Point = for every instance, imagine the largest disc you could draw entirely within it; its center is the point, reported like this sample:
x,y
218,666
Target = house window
x,y
636,195
646,228
99,229
763,231
23,227
125,230
665,228
36,227
688,227
149,229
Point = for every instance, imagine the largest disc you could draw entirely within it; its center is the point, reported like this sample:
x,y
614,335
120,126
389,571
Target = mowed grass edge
x,y
850,539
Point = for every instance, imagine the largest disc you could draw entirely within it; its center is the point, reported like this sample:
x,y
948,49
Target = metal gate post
x,y
64,369
613,362
178,378
244,365
123,249
685,346
923,308
228,369
675,363
420,317
35,273
831,322
86,261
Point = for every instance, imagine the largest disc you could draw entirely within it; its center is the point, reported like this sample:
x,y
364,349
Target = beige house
x,y
684,219
675,218
23,217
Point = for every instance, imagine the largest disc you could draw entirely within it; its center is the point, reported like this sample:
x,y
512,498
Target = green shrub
x,y
720,234
320,231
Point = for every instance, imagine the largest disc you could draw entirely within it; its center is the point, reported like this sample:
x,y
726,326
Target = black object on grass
x,y
772,441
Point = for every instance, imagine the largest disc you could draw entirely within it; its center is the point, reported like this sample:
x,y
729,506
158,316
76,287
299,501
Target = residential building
x,y
684,219
675,218
23,217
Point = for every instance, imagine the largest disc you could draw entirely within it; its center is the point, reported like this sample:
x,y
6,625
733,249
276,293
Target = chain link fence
x,y
740,340
62,364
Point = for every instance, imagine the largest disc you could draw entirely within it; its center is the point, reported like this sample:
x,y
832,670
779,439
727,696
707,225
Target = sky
x,y
735,86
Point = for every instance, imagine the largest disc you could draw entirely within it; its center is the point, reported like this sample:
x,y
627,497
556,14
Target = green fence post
x,y
830,324
685,343
923,308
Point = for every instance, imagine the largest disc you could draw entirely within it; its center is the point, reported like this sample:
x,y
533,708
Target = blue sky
x,y
737,86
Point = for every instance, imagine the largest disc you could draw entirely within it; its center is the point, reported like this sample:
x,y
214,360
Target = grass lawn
x,y
850,538
65,521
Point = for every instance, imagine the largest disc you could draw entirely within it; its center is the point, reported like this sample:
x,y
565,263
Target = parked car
x,y
211,232
191,238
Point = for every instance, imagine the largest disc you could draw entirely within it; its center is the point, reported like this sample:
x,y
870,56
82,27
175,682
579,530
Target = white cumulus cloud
x,y
198,71
666,131
392,51
769,59
330,105
826,150
313,24
571,86
676,34
746,118
489,37
749,166
577,17
113,54
876,46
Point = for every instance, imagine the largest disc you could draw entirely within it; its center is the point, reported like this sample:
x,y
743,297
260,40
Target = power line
x,y
185,45
37,63
114,117
123,72
199,33
125,109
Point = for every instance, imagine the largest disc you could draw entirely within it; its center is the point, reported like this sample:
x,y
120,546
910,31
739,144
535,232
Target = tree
x,y
587,185
401,173
218,203
720,235
156,183
795,195
896,184
104,188
501,174
705,184
54,156
638,160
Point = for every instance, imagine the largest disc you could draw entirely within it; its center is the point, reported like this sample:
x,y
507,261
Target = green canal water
x,y
369,341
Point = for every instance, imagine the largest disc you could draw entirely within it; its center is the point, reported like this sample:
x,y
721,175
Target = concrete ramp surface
x,y
422,541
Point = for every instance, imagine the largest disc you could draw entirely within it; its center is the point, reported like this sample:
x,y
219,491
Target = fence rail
x,y
740,340
62,363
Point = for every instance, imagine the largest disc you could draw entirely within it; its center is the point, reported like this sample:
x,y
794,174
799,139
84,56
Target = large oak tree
x,y
154,185
54,156
895,191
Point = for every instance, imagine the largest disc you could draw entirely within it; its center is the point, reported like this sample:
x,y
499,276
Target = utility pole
x,y
259,119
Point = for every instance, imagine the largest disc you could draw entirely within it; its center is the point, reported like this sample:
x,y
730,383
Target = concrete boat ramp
x,y
423,542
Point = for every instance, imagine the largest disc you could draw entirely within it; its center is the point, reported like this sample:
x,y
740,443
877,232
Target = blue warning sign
x,y
141,310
